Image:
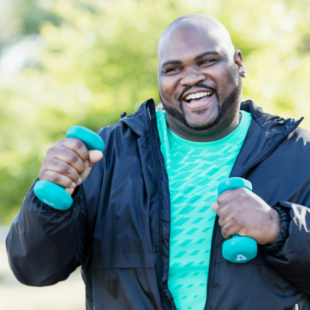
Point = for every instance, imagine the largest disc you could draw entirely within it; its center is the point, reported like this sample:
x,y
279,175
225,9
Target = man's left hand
x,y
244,213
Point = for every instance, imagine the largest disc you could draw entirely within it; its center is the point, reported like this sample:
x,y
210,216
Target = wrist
x,y
285,219
275,226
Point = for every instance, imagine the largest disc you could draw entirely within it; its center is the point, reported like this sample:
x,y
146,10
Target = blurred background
x,y
84,62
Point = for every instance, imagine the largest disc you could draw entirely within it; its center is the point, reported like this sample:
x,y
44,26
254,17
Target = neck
x,y
191,135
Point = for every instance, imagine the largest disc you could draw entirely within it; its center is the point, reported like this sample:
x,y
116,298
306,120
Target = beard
x,y
228,104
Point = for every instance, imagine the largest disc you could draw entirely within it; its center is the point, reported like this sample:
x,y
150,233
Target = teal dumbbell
x,y
55,195
238,249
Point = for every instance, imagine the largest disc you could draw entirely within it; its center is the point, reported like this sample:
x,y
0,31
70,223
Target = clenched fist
x,y
244,213
68,163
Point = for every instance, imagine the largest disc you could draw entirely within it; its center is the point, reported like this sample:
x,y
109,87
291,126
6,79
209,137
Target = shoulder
x,y
110,129
131,126
293,153
298,139
111,132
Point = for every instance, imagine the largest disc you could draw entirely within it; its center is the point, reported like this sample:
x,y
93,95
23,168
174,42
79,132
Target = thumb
x,y
214,206
94,156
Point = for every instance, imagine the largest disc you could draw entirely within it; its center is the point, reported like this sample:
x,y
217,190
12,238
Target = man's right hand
x,y
68,163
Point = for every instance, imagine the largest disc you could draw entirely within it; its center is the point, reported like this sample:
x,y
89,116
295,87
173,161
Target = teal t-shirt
x,y
194,172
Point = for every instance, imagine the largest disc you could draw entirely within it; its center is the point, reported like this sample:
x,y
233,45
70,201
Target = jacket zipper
x,y
212,263
166,303
211,266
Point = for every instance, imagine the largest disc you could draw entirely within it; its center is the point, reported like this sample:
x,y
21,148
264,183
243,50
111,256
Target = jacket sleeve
x,y
290,253
45,245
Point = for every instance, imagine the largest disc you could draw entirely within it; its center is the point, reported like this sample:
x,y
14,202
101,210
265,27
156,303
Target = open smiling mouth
x,y
198,100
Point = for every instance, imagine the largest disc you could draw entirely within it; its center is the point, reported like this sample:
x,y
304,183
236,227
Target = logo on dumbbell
x,y
240,258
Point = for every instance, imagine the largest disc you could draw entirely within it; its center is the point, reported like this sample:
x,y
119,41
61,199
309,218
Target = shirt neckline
x,y
193,144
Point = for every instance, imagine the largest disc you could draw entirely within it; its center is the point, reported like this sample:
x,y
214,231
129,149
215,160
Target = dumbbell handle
x,y
238,249
55,195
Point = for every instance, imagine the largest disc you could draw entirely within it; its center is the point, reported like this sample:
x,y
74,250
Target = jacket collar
x,y
137,121
264,135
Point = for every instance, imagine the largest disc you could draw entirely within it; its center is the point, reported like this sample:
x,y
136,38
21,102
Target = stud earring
x,y
242,72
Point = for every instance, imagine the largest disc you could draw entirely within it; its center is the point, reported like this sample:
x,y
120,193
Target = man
x,y
141,224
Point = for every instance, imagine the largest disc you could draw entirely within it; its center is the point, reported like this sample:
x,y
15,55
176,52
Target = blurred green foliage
x,y
66,62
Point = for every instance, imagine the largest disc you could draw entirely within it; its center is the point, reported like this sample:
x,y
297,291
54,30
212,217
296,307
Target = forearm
x,y
43,242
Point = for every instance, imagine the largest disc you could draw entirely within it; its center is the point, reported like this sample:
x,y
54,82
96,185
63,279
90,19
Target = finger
x,y
77,146
225,195
214,206
69,190
223,207
230,229
72,158
226,218
57,178
63,168
84,175
94,156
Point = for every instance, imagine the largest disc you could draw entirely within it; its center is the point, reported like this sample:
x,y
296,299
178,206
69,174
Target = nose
x,y
192,76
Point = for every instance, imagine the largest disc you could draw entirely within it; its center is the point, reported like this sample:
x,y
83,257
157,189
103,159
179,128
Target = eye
x,y
174,69
207,61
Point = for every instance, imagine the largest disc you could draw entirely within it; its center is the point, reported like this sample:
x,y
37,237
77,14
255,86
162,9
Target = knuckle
x,y
68,171
76,179
72,174
54,163
236,221
220,213
238,192
73,158
241,193
55,177
225,232
224,207
60,143
239,200
67,183
50,150
241,190
219,198
79,144
221,222
42,174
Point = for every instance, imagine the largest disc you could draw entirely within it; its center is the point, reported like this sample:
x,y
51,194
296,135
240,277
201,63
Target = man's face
x,y
199,83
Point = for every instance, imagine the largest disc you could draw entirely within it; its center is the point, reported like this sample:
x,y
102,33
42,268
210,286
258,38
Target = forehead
x,y
188,41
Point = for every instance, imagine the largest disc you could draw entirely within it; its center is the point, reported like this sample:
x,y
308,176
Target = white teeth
x,y
197,95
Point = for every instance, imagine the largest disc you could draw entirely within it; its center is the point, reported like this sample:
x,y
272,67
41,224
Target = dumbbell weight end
x,y
239,249
53,195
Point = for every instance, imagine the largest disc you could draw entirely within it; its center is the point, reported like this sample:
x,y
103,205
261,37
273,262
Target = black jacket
x,y
118,227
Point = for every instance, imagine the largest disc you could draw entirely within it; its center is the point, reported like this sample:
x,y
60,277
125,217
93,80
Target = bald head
x,y
204,24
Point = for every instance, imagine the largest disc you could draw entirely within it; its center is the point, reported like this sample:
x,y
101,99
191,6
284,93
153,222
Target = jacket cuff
x,y
284,230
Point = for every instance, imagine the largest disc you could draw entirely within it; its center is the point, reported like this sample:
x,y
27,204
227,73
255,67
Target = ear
x,y
239,63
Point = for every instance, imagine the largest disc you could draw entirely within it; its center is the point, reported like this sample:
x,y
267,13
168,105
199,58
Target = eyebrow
x,y
178,62
205,54
171,62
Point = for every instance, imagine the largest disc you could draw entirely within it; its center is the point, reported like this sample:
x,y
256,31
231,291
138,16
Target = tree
x,y
86,62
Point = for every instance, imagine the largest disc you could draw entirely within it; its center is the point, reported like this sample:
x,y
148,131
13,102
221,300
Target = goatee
x,y
223,107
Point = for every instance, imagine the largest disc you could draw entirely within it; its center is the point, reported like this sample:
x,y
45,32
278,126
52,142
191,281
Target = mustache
x,y
200,85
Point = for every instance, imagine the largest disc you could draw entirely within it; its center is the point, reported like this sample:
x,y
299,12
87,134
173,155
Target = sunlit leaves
x,y
85,62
